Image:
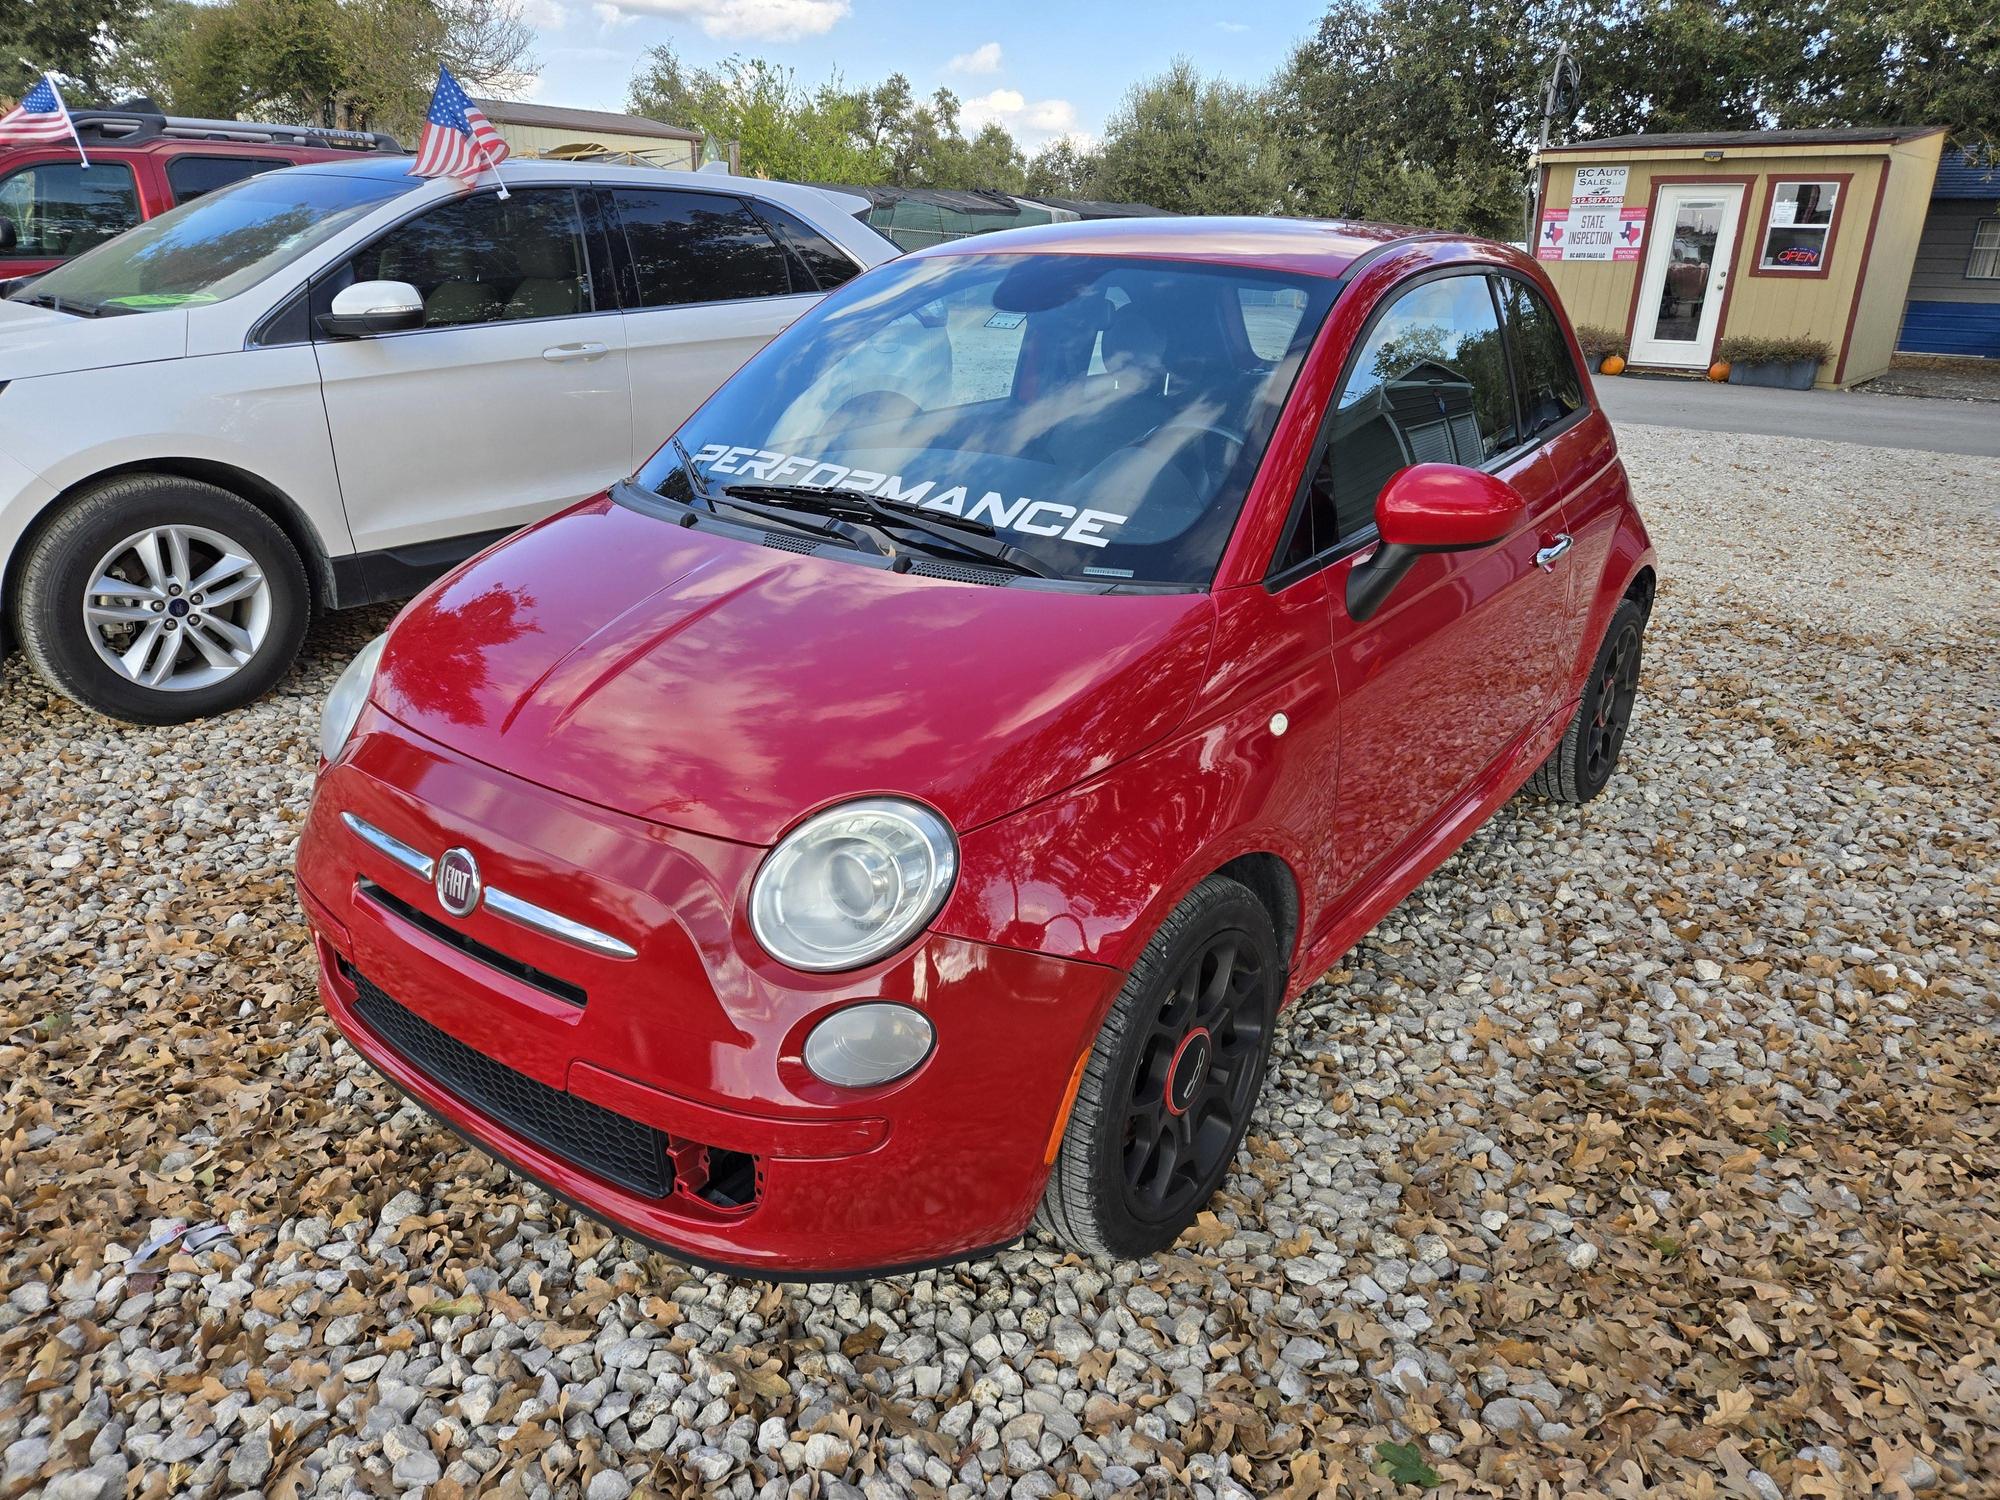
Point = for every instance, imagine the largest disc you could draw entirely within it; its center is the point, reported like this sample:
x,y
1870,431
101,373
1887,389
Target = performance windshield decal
x,y
1047,518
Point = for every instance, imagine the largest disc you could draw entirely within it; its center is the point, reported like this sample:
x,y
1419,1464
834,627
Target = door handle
x,y
563,354
1546,558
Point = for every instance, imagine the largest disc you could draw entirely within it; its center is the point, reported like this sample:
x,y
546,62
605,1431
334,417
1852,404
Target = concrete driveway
x,y
1833,416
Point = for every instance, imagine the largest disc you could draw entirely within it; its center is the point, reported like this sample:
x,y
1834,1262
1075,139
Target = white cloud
x,y
544,15
609,16
985,58
1031,120
1231,26
744,20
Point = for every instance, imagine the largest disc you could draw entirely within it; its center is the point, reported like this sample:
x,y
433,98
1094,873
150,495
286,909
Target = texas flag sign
x,y
1555,226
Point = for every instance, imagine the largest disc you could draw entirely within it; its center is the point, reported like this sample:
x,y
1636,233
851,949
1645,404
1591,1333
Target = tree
x,y
73,39
1193,145
1061,169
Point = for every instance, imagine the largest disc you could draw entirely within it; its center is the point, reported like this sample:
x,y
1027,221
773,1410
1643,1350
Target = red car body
x,y
622,716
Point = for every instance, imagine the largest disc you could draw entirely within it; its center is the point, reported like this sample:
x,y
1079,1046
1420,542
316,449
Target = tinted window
x,y
59,209
191,176
1544,375
216,246
698,247
1429,385
488,259
829,265
1105,414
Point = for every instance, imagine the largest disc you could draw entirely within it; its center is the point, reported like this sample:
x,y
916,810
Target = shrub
x,y
1742,349
1599,343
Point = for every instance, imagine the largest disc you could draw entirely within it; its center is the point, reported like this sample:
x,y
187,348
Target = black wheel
x,y
1167,1093
157,599
1582,764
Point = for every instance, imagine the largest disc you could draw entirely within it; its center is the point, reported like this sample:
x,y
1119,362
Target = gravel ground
x,y
1647,1149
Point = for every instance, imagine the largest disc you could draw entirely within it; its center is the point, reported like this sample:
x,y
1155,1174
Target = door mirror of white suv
x,y
371,307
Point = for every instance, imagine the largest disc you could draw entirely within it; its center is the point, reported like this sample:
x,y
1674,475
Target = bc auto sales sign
x,y
1597,225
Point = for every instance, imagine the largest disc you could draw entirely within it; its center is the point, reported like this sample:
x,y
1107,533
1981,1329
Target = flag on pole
x,y
458,140
41,117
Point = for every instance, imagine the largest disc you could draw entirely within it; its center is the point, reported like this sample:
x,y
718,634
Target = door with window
x,y
1461,660
518,373
57,209
1686,273
708,280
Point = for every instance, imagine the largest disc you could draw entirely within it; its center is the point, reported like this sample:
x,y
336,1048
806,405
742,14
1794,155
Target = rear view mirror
x,y
1430,508
372,307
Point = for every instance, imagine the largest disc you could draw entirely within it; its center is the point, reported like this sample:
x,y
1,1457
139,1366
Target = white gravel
x,y
1620,1095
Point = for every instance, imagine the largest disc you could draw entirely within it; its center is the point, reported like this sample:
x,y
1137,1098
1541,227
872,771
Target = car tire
x,y
136,551
1115,1189
1581,765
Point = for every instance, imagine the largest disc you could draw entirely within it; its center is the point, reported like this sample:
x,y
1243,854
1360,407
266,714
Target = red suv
x,y
142,163
903,808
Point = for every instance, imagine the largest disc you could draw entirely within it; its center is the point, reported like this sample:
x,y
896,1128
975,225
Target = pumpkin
x,y
1719,371
1614,364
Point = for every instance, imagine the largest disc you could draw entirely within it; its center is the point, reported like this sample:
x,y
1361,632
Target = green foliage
x,y
70,38
1745,349
1403,1463
359,64
1193,145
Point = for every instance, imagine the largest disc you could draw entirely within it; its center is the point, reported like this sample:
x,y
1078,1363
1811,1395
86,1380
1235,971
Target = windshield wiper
x,y
56,304
697,485
962,534
835,529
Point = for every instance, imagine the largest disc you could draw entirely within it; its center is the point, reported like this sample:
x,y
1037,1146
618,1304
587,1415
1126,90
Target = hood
x,y
728,688
42,341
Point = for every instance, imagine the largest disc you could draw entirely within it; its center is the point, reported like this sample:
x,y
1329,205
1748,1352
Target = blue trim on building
x,y
1957,177
1951,328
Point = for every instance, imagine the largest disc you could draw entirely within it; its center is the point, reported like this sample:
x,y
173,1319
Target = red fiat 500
x,y
901,810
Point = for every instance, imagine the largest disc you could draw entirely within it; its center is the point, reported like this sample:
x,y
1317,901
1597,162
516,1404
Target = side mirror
x,y
10,237
372,307
1430,508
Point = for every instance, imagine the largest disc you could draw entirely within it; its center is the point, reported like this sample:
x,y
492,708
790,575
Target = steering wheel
x,y
1227,434
873,406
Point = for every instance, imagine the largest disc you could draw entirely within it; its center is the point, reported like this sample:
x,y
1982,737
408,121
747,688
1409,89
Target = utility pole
x,y
1560,97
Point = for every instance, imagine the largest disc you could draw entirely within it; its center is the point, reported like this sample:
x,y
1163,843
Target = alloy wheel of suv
x,y
157,599
1167,1093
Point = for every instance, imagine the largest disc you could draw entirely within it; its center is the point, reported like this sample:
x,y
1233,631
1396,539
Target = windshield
x,y
222,243
1104,415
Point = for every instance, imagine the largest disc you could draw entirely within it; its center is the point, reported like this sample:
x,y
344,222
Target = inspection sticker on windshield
x,y
1045,518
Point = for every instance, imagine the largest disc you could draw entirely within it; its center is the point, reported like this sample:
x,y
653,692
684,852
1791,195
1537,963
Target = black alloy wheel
x,y
1169,1086
1581,765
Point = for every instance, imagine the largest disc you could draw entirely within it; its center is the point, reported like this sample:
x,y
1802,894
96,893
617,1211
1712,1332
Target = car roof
x,y
519,171
1318,247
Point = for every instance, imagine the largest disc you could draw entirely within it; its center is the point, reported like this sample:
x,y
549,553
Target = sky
x,y
1042,68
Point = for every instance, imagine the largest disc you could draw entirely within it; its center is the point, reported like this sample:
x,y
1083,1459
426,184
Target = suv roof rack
x,y
134,123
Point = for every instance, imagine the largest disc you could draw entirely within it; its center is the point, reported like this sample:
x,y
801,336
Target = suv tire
x,y
1168,1090
1581,766
197,601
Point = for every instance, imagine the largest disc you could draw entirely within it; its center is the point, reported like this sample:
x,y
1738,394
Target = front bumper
x,y
667,1093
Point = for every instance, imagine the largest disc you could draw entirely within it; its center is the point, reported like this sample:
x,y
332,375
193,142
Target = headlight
x,y
865,1045
343,704
852,884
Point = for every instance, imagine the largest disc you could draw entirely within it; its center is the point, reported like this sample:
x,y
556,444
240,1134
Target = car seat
x,y
551,285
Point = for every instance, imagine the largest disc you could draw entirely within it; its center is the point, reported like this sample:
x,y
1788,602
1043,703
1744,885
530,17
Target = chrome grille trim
x,y
555,925
386,843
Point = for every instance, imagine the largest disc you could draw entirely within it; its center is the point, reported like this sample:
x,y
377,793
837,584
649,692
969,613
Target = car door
x,y
56,209
1459,662
511,401
705,286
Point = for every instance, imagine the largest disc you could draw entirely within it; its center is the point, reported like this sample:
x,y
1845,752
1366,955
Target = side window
x,y
1429,384
1544,374
191,176
697,247
830,266
489,260
58,209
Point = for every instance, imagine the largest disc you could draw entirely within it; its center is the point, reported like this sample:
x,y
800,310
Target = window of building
x,y
1984,262
58,209
1799,230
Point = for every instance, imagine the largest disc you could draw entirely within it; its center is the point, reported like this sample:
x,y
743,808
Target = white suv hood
x,y
41,341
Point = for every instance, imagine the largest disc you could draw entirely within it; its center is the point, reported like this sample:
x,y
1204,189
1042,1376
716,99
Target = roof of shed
x,y
555,117
1852,135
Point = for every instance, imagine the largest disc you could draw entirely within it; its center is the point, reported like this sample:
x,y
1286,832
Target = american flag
x,y
458,140
39,117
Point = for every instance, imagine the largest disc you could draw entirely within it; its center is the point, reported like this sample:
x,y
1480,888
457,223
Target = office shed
x,y
1680,240
1955,289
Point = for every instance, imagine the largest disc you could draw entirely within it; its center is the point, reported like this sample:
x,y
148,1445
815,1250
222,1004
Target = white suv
x,y
324,386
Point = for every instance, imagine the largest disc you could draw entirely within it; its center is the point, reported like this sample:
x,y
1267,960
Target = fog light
x,y
864,1045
